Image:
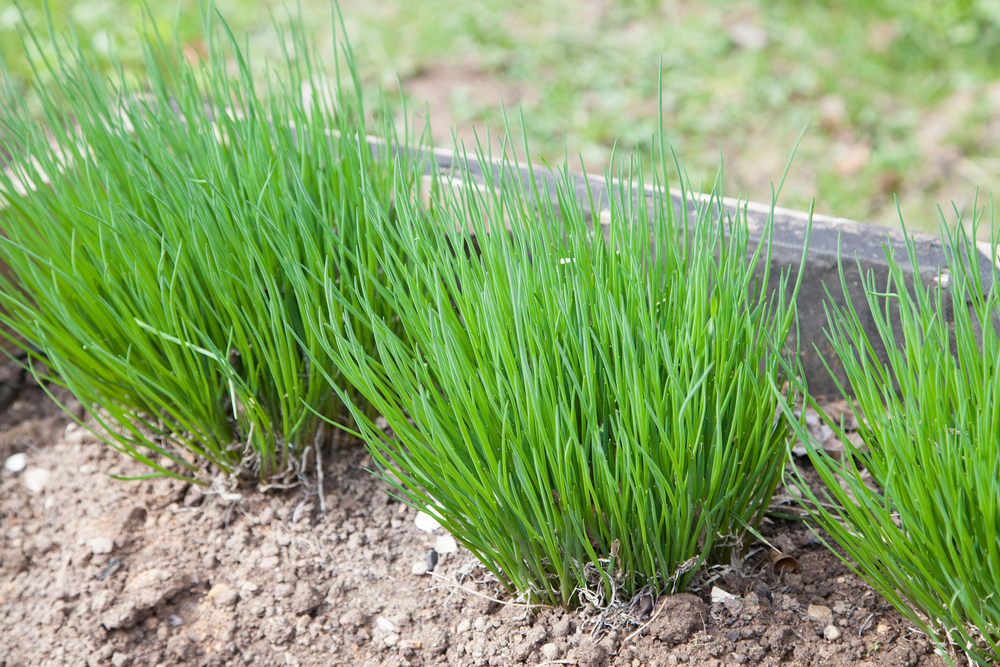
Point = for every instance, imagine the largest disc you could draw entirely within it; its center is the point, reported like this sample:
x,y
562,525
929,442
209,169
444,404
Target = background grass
x,y
901,96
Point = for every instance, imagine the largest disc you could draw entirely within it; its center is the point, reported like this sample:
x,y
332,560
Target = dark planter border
x,y
862,247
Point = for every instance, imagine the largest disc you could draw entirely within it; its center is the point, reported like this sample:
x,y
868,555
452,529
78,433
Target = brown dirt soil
x,y
95,571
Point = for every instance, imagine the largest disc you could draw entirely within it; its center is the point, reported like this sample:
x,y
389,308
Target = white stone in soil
x,y
74,434
832,633
426,522
391,639
445,544
101,545
384,623
15,462
419,568
216,591
36,479
719,595
464,626
550,651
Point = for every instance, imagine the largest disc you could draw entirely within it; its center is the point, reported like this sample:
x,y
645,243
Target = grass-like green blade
x,y
929,541
171,235
586,415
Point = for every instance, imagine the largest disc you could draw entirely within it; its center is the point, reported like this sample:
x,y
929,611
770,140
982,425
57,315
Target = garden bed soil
x,y
96,571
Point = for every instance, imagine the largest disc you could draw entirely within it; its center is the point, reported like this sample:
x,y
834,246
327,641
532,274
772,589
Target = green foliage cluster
x,y
218,267
928,538
584,414
215,266
166,273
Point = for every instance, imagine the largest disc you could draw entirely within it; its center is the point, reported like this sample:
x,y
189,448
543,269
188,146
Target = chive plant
x,y
589,416
169,233
929,539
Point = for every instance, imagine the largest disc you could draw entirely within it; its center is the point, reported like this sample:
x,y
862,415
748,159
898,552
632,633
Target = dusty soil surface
x,y
95,571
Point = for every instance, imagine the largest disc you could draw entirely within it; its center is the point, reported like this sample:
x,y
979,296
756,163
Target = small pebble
x,y
385,624
562,628
36,479
464,626
217,590
419,568
820,613
74,434
445,544
228,599
391,639
176,621
426,522
15,462
480,624
101,545
432,560
550,651
832,633
268,563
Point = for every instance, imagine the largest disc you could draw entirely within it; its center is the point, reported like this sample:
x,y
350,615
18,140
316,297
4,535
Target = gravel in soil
x,y
95,571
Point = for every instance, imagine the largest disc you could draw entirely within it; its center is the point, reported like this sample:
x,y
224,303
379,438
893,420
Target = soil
x,y
96,571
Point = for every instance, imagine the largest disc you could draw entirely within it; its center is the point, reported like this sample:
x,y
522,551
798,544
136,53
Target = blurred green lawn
x,y
902,97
